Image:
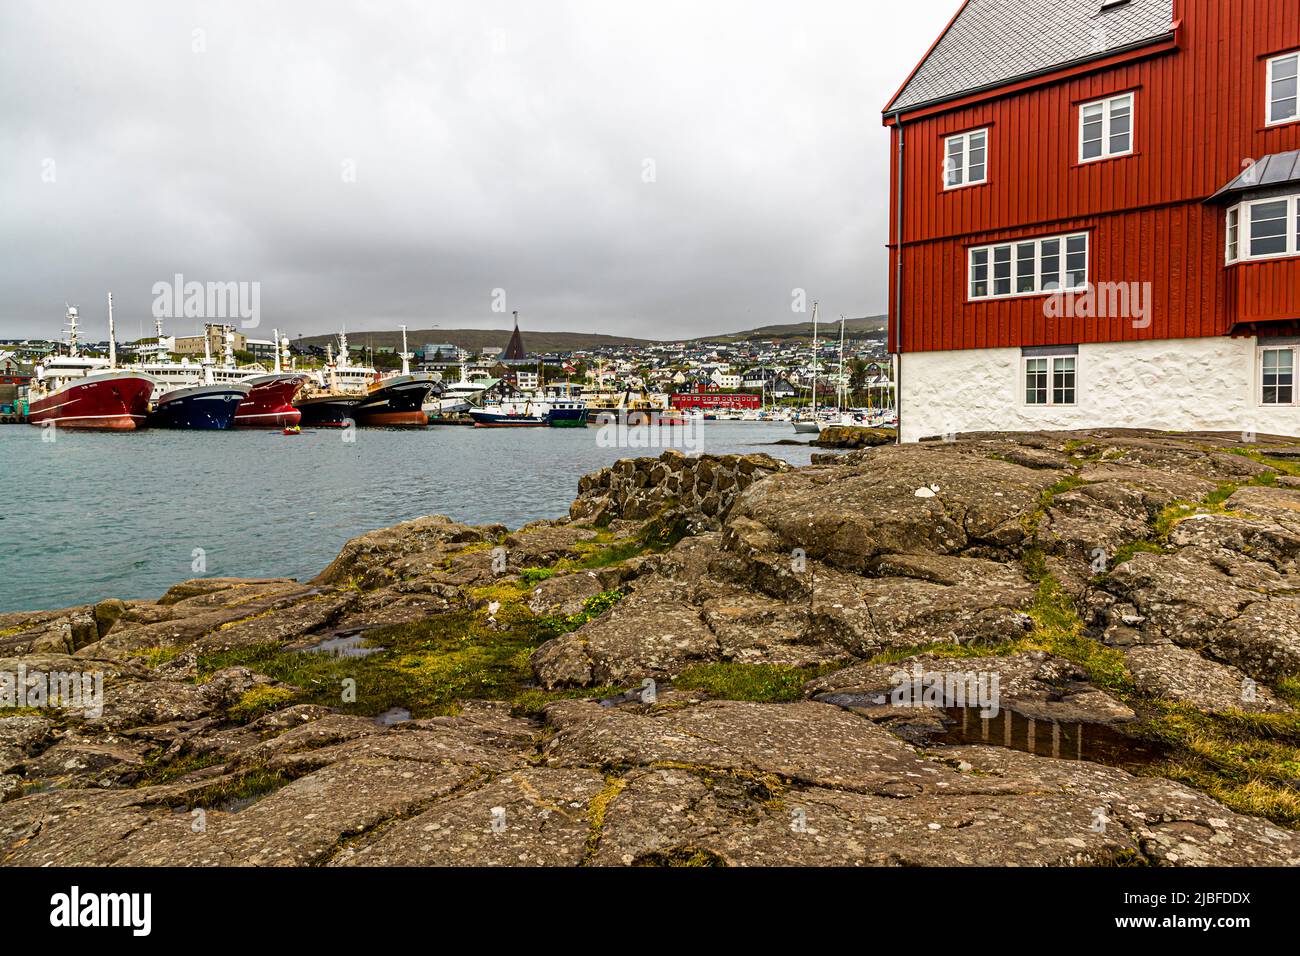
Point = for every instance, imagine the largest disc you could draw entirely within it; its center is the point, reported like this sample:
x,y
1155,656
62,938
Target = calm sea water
x,y
92,516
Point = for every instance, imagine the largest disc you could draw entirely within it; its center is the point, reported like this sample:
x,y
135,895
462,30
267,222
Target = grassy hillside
x,y
476,339
853,328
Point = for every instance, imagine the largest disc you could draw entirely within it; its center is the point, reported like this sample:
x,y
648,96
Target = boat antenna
x,y
72,331
112,335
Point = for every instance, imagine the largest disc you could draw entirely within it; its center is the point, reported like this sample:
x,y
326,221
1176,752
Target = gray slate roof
x,y
1275,169
996,41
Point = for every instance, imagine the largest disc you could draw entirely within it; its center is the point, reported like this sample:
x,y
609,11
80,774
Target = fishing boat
x,y
566,413
76,391
269,403
564,407
395,400
632,409
517,413
459,396
205,407
186,395
329,398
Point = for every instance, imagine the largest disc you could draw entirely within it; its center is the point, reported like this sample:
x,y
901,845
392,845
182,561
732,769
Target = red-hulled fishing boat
x,y
75,391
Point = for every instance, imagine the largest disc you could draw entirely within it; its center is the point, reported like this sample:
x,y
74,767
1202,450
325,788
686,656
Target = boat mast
x,y
406,356
276,334
839,391
72,331
112,335
814,389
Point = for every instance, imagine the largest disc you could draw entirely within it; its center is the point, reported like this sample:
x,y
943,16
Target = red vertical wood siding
x,y
1198,117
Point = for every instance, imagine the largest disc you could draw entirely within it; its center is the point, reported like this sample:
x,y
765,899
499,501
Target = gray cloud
x,y
495,145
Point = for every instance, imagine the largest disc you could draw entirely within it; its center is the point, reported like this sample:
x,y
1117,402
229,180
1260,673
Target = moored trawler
x,y
186,395
269,403
203,407
567,414
330,396
396,401
325,410
75,391
518,413
632,409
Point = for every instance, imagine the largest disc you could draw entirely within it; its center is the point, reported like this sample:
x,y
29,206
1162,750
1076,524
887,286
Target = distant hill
x,y
476,339
853,328
537,342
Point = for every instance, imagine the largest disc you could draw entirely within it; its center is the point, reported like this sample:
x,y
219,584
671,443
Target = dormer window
x,y
1106,128
1282,94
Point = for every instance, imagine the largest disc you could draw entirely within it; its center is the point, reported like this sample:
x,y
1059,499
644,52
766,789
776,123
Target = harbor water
x,y
91,516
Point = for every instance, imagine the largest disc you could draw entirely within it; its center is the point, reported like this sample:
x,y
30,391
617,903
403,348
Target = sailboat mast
x,y
814,388
839,391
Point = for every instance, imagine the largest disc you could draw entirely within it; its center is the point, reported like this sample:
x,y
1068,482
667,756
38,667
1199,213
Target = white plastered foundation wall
x,y
1197,384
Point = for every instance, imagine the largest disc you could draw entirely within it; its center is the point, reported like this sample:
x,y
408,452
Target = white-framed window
x,y
966,159
1106,128
1029,267
1051,380
1264,229
1283,103
1277,369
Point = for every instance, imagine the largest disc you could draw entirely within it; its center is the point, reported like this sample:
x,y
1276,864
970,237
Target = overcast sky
x,y
659,169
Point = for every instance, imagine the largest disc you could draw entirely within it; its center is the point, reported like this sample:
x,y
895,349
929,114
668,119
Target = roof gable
x,y
991,42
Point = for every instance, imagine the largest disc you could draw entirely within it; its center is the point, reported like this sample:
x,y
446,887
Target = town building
x,y
710,398
1095,218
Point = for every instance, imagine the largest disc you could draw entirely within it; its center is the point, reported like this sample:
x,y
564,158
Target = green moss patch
x,y
762,683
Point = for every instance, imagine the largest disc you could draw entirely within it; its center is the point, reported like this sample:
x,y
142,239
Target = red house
x,y
1096,218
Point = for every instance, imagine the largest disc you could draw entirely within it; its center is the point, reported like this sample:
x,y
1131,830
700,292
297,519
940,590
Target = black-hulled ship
x,y
397,400
342,392
330,397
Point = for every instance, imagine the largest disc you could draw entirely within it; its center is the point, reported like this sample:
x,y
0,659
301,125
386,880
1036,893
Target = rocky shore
x,y
715,661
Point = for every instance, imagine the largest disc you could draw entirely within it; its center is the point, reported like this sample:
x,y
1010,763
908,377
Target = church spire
x,y
515,350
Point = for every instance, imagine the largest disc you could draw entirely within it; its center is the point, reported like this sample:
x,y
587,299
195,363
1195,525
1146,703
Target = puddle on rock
x,y
851,700
347,642
1098,743
393,716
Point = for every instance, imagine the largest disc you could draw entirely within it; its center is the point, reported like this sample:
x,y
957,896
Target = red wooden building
x,y
1096,218
709,399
